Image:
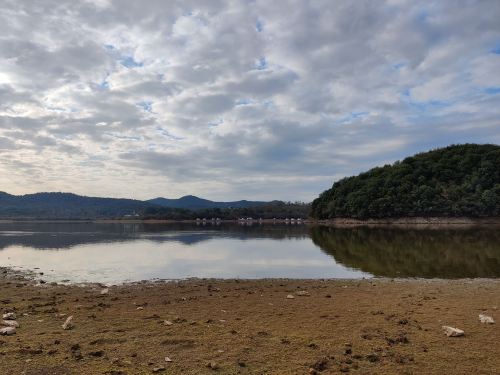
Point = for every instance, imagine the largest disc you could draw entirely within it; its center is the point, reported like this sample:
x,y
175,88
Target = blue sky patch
x,y
261,64
215,123
243,101
492,90
429,105
146,105
398,65
165,133
259,26
104,84
129,62
353,116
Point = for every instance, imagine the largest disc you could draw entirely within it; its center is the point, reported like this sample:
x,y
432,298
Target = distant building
x,y
133,214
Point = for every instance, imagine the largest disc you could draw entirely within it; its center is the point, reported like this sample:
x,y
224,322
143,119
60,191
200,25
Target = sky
x,y
237,99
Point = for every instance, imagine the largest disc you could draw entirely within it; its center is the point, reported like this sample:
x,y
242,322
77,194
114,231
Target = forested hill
x,y
459,180
44,206
66,206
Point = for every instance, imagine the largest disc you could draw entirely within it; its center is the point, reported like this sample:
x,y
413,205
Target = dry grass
x,y
250,327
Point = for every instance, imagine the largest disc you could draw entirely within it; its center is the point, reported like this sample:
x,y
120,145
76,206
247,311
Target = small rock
x,y
140,308
290,296
167,359
68,324
303,293
10,323
104,291
7,331
486,319
159,369
212,365
168,323
453,332
9,316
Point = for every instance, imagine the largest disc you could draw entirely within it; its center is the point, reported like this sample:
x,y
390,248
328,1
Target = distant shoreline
x,y
418,221
413,221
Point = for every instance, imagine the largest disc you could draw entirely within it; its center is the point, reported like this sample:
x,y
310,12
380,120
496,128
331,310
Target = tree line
x,y
276,209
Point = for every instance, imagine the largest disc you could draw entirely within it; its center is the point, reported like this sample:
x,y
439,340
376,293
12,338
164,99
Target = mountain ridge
x,y
63,205
193,202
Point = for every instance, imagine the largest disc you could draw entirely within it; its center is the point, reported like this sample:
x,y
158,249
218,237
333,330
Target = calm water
x,y
114,253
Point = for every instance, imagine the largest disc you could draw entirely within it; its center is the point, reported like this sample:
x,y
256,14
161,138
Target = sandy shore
x,y
251,327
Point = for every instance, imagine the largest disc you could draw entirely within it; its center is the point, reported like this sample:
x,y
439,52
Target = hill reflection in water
x,y
425,253
65,235
116,252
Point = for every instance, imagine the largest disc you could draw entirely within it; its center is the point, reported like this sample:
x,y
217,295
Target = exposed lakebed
x,y
119,252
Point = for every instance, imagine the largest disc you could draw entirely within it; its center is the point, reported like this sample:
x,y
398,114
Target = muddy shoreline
x,y
376,326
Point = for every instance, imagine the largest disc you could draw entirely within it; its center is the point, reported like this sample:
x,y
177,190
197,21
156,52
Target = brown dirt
x,y
250,327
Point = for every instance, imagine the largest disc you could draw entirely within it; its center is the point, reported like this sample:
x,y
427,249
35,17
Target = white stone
x,y
303,293
105,291
167,359
68,324
486,319
7,331
10,323
168,323
290,296
9,316
453,332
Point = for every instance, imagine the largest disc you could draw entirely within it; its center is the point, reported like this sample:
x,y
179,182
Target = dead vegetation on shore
x,y
251,327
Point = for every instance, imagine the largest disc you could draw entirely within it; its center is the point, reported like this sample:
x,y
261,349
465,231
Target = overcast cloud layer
x,y
237,99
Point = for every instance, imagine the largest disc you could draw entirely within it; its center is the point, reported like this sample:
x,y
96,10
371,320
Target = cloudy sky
x,y
237,99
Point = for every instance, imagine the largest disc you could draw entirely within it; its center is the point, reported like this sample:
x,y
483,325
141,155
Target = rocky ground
x,y
250,327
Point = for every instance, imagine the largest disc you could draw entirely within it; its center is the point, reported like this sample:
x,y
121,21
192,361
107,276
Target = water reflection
x,y
425,253
113,253
64,235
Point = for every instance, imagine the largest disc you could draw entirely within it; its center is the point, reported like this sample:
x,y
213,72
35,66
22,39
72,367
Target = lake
x,y
113,253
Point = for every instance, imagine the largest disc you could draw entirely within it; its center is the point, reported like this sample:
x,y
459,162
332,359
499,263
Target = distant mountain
x,y
72,206
191,202
459,180
66,206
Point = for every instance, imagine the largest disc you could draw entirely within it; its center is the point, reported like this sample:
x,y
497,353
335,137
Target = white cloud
x,y
236,99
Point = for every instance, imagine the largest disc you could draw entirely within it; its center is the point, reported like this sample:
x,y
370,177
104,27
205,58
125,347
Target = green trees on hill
x,y
275,209
459,180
